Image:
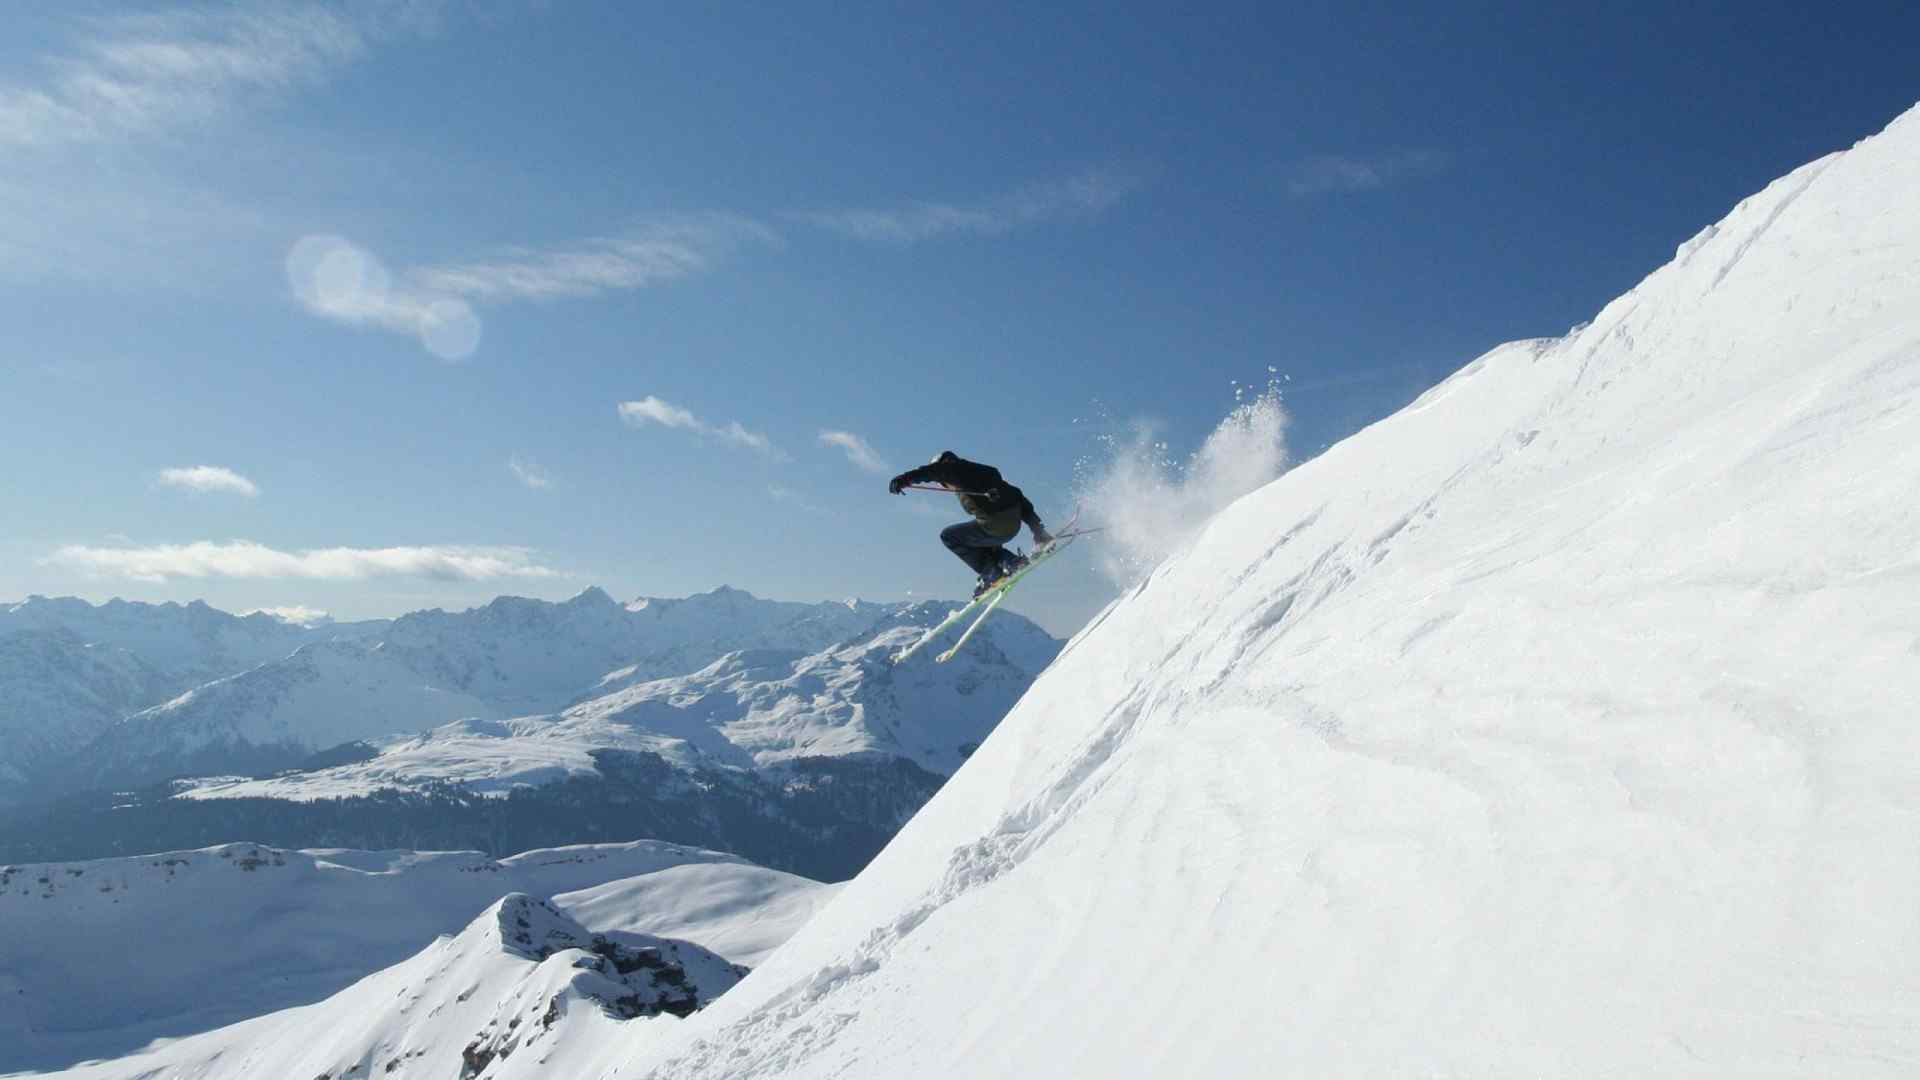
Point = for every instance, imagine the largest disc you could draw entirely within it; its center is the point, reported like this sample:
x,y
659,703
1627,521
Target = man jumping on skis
x,y
998,509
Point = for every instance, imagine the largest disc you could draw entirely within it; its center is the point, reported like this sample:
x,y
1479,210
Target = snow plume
x,y
1150,503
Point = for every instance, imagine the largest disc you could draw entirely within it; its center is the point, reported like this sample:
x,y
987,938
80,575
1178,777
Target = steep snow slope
x,y
102,956
524,991
749,709
739,910
1558,725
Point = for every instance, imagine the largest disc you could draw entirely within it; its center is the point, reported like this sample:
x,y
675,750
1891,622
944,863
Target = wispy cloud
x,y
529,473
1084,196
858,451
1330,173
335,279
647,253
652,410
209,478
246,559
147,74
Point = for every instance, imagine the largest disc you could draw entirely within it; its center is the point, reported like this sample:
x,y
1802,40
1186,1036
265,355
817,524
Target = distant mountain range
x,y
772,705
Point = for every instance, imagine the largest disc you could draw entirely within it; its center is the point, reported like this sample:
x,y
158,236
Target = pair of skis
x,y
992,596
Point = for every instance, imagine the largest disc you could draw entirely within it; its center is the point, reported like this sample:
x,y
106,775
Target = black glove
x,y
897,485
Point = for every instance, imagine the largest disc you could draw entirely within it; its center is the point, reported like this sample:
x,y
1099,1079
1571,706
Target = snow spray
x,y
1151,504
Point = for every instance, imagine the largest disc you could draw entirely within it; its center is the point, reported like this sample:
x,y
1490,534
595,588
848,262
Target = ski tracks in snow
x,y
750,1048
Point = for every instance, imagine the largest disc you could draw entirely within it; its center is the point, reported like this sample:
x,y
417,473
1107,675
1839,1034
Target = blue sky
x,y
386,273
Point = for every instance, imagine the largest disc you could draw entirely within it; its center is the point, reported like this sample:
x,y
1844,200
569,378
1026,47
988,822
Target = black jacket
x,y
995,504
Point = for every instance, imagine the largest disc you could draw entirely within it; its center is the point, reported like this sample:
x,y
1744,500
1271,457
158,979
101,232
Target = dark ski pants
x,y
976,547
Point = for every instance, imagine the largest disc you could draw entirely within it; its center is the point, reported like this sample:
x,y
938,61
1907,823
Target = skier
x,y
998,509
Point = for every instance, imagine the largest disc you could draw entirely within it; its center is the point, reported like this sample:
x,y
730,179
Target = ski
x,y
991,598
958,614
999,593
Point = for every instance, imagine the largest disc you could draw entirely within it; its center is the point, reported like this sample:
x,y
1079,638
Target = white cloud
x,y
296,614
1083,196
648,253
858,451
652,410
336,280
529,473
1328,173
246,559
209,478
143,75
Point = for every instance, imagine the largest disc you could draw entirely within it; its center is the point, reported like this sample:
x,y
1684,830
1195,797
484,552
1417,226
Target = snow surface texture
x,y
749,709
523,991
100,957
1560,724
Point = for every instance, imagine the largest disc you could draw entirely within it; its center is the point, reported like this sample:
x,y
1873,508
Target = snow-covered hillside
x,y
1561,724
524,991
193,643
57,692
748,709
827,695
323,695
100,957
70,669
534,657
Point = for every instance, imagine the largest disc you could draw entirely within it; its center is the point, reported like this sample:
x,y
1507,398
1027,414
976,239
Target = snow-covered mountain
x,y
274,715
192,643
750,709
100,957
529,656
801,755
1561,724
521,992
511,658
57,693
70,669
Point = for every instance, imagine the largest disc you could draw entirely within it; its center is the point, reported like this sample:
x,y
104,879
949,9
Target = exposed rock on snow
x,y
515,994
234,931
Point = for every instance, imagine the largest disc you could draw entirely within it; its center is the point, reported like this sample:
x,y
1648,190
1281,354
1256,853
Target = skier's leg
x,y
974,545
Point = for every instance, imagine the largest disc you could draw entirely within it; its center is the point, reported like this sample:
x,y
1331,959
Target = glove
x,y
1041,538
897,486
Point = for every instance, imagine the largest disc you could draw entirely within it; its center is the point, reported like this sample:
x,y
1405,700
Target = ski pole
x,y
937,487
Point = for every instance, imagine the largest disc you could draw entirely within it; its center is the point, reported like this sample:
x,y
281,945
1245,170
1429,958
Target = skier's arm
x,y
939,472
1032,518
912,476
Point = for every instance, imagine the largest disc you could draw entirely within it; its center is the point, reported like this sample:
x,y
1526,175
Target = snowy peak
x,y
269,928
750,709
191,642
1559,724
523,991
